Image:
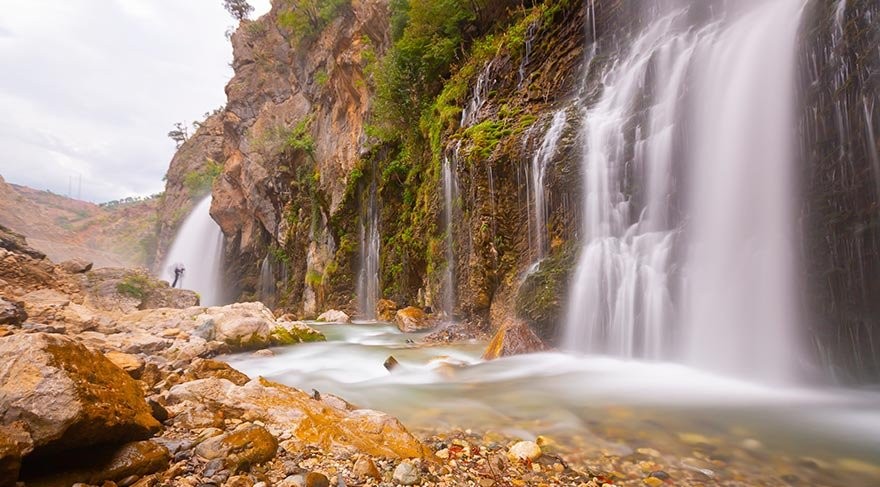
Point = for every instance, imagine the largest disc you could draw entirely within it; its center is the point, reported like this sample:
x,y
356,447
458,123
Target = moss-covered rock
x,y
290,333
540,299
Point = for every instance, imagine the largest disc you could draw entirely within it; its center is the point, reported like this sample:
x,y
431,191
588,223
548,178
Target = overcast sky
x,y
90,88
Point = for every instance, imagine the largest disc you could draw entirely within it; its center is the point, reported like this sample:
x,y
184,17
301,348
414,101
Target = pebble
x,y
315,479
364,468
406,473
525,450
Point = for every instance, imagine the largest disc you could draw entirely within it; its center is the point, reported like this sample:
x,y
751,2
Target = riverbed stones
x,y
513,338
205,368
67,395
365,469
248,445
406,474
525,450
412,319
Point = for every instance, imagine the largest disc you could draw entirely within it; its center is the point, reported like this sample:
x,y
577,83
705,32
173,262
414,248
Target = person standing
x,y
178,274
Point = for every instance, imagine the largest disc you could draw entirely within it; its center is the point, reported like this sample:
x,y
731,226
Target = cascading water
x,y
199,247
449,192
538,169
712,108
266,286
368,278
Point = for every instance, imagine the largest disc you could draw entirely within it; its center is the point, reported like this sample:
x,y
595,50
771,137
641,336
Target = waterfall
x,y
199,247
368,278
538,168
688,216
266,285
449,193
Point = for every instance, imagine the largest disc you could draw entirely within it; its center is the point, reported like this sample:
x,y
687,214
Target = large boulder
x,y
326,422
67,395
411,319
105,464
12,312
334,316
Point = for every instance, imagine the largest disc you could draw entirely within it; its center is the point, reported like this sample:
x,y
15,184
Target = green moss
x,y
290,336
539,299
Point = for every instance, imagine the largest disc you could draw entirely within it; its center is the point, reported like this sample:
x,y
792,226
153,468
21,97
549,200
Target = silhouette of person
x,y
178,274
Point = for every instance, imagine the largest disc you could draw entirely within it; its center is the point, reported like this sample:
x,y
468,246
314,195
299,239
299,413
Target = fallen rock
x,y
390,363
293,332
385,310
246,446
327,423
12,312
67,395
411,319
76,266
334,316
317,479
406,474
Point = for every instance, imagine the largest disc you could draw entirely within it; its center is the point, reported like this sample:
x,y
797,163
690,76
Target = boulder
x,y
513,338
291,332
67,395
411,319
242,325
385,310
246,446
326,423
76,266
12,312
334,316
16,243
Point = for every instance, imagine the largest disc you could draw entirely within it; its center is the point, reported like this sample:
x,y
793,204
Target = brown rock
x,y
364,468
385,310
315,479
12,312
411,319
15,443
513,339
132,364
110,464
247,446
325,423
67,395
76,266
205,368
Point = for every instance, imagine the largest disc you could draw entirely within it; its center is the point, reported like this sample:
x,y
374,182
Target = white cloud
x,y
90,88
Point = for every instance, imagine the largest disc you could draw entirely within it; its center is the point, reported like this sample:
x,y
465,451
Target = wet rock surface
x,y
411,319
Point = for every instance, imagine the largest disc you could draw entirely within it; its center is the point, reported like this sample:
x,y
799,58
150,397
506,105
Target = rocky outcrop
x,y
12,312
92,401
514,338
327,423
128,290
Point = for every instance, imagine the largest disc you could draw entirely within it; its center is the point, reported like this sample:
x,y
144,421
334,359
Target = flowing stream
x,y
198,246
557,394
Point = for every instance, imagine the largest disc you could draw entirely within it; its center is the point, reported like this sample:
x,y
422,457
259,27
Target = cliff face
x,y
190,177
293,129
309,169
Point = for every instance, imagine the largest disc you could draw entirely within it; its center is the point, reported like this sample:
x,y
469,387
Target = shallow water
x,y
609,404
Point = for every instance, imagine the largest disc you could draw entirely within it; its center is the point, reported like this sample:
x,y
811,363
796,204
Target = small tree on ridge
x,y
239,9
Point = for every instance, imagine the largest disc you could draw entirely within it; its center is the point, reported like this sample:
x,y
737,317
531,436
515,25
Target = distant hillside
x,y
118,235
